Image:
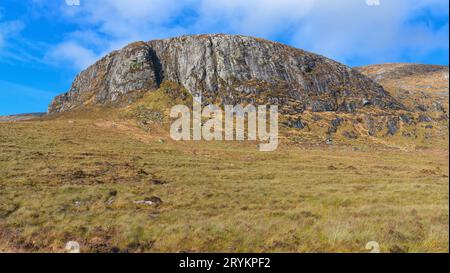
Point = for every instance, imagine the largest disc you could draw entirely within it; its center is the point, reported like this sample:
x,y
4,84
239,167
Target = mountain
x,y
20,117
437,75
226,69
422,88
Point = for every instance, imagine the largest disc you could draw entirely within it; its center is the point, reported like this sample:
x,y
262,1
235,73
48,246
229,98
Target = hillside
x,y
363,156
114,185
423,88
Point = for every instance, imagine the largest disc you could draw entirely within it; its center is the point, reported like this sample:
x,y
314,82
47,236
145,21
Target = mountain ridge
x,y
226,69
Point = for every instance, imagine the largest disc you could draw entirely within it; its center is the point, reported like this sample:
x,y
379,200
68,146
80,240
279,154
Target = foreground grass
x,y
63,180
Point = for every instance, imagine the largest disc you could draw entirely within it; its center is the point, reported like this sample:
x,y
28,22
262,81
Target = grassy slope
x,y
59,182
77,177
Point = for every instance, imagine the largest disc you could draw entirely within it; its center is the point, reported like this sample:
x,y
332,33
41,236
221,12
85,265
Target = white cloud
x,y
253,17
121,19
72,52
348,30
106,25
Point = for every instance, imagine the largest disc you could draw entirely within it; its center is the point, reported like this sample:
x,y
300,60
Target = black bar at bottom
x,y
225,262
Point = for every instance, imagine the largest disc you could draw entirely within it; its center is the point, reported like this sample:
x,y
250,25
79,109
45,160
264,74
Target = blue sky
x,y
45,43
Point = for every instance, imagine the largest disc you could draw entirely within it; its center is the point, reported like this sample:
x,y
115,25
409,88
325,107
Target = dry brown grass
x,y
78,177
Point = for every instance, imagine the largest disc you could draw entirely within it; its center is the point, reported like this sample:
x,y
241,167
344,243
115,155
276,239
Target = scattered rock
x,y
372,129
406,119
329,141
337,122
111,197
392,126
365,102
422,108
350,135
437,106
429,127
154,199
332,130
112,193
348,107
150,201
322,106
157,182
298,124
153,215
424,118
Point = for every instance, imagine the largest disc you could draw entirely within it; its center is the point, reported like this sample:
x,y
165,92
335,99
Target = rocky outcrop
x,y
121,72
227,69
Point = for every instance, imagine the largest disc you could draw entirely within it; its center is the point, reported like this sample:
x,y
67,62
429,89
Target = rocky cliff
x,y
226,69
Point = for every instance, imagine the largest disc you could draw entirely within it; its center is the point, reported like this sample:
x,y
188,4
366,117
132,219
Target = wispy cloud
x,y
348,30
13,46
9,29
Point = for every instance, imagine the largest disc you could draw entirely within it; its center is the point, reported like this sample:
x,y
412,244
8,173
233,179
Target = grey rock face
x,y
119,73
226,69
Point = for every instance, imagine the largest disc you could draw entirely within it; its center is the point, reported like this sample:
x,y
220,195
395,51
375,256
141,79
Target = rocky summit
x,y
226,69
